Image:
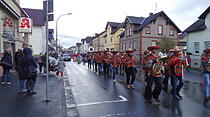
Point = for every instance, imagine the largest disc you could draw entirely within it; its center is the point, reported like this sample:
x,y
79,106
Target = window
x,y
147,30
160,29
111,40
130,45
124,47
105,41
127,46
196,45
130,31
171,32
134,44
207,44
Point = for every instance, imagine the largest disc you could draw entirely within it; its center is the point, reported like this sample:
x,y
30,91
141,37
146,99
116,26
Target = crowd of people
x,y
158,69
25,65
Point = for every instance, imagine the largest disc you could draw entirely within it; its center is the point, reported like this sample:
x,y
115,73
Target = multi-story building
x,y
141,32
98,41
198,37
112,40
38,37
10,12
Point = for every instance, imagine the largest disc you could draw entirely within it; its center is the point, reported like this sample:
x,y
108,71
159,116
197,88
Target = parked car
x,y
66,57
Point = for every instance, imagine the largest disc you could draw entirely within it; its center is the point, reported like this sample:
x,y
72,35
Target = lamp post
x,y
57,29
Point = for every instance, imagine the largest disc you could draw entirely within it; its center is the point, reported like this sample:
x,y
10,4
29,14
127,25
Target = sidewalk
x,y
13,104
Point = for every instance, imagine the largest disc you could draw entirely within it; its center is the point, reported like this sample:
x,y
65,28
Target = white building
x,y
198,37
37,39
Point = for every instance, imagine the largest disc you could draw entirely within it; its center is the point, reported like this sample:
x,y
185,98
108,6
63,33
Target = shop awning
x,y
9,8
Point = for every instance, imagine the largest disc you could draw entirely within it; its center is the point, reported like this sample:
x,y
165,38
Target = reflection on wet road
x,y
92,90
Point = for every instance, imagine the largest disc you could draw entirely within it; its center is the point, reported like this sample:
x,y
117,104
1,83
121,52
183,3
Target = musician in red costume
x,y
153,67
205,64
176,64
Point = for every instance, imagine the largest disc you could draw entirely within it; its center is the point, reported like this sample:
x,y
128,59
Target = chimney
x,y
150,14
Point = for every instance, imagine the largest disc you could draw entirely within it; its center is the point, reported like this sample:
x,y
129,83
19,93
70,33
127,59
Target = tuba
x,y
157,67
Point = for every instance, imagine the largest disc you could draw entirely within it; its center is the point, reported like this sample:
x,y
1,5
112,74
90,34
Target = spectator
x,y
61,67
40,62
30,73
7,66
20,71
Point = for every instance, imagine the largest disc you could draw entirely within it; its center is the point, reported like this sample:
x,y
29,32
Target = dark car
x,y
66,57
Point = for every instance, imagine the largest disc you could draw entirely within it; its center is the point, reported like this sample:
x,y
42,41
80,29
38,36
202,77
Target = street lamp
x,y
57,29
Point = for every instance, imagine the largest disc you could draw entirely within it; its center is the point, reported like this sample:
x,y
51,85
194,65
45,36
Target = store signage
x,y
25,25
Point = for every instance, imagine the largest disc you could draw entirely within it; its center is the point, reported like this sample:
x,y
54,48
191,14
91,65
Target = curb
x,y
69,98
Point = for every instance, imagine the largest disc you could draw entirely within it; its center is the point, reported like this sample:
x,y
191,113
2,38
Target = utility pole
x,y
48,8
47,52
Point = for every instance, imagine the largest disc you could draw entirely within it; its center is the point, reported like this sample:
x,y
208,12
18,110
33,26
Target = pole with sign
x,y
48,8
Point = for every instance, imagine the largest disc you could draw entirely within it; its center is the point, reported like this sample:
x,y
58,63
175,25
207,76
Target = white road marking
x,y
123,99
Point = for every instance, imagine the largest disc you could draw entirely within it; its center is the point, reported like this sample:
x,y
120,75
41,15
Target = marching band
x,y
158,69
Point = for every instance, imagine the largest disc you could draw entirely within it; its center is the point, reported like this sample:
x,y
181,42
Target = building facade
x,y
38,37
10,13
141,32
98,41
112,40
198,37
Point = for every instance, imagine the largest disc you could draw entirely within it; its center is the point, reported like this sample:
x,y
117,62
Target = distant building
x,y
112,40
182,42
142,32
38,37
198,37
98,41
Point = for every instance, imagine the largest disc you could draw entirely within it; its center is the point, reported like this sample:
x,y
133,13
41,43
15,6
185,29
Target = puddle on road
x,y
193,90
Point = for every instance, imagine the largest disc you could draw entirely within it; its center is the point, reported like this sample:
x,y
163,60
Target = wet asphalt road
x,y
96,96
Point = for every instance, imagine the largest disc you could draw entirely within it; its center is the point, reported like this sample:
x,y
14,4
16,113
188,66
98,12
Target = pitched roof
x,y
114,24
205,13
135,20
181,36
37,15
198,25
153,17
88,39
78,44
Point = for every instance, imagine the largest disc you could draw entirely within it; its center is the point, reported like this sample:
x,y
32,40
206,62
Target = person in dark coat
x,y
19,68
7,66
29,68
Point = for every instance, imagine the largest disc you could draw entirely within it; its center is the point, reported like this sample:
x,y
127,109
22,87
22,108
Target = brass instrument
x,y
157,67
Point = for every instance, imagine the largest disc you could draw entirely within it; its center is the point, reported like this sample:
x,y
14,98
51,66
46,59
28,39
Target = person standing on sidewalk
x,y
130,69
40,63
7,66
20,71
154,66
61,68
205,64
30,73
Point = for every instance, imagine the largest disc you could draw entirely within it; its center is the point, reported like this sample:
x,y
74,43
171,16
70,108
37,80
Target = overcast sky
x,y
90,16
